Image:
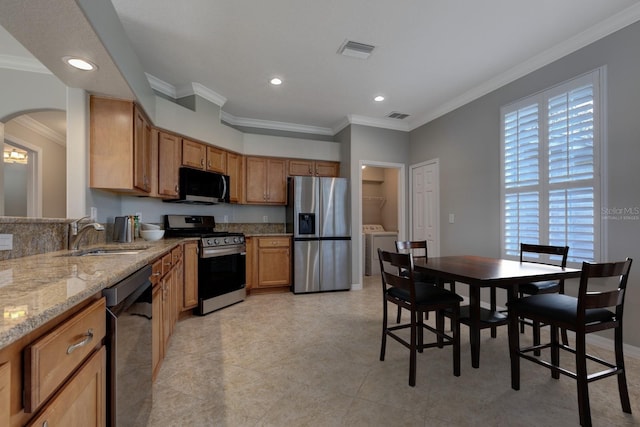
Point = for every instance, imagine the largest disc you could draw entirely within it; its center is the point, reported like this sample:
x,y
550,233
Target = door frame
x,y
436,163
34,175
402,206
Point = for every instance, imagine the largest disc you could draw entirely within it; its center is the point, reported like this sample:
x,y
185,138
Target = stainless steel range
x,y
221,263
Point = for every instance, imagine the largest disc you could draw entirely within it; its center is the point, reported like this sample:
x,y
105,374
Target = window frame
x,y
598,79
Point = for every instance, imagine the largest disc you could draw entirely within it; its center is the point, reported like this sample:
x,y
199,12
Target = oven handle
x,y
212,252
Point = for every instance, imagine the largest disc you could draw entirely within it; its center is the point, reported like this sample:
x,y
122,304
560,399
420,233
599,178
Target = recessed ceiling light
x,y
379,98
79,63
275,81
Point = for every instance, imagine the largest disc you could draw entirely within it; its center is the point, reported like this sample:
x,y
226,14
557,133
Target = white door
x,y
425,196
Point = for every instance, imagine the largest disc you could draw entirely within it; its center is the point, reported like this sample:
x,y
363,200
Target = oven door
x,y
221,279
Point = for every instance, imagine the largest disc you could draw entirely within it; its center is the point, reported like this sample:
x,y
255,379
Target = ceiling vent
x,y
355,49
396,115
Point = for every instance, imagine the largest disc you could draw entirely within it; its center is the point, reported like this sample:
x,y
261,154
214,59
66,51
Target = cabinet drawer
x,y
53,357
166,263
176,254
272,242
156,271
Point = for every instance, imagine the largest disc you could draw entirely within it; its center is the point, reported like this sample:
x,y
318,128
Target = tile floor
x,y
312,360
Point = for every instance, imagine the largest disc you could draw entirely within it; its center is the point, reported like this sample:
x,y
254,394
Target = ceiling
x,y
430,56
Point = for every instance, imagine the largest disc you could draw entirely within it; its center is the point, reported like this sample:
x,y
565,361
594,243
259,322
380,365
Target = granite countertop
x,y
36,289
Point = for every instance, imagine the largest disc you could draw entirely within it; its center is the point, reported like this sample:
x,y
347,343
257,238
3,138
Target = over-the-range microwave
x,y
202,187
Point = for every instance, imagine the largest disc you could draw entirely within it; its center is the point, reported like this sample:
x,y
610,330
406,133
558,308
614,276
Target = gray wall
x,y
467,142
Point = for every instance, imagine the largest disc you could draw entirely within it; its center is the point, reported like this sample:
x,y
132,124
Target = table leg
x,y
474,325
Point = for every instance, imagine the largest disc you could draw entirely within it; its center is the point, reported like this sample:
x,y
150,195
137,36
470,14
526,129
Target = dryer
x,y
375,236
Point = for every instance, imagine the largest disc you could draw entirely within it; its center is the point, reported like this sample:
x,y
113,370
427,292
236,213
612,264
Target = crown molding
x,y
392,124
161,86
591,35
203,92
268,124
21,63
30,123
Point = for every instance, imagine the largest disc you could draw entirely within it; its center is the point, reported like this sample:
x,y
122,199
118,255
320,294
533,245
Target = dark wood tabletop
x,y
479,272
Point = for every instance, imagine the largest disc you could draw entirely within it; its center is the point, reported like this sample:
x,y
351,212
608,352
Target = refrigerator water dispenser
x,y
306,223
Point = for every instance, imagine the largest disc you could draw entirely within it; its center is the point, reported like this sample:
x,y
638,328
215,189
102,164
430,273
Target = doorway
x,y
382,203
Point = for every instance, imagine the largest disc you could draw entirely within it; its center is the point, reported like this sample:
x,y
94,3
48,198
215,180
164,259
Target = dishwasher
x,y
129,350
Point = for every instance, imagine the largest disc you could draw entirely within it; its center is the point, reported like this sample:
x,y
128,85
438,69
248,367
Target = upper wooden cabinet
x,y
169,161
120,146
298,167
202,156
236,177
266,181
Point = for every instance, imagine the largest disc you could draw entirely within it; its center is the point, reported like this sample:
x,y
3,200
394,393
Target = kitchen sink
x,y
105,251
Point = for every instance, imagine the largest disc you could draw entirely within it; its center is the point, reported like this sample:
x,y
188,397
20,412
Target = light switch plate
x,y
6,242
452,218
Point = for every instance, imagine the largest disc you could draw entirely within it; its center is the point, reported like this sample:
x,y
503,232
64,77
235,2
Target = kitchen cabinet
x,y
190,294
82,400
266,181
120,150
40,381
167,278
169,161
5,393
236,177
298,167
202,156
271,262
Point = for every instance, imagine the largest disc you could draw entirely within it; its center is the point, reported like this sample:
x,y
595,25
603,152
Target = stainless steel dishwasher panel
x,y
129,345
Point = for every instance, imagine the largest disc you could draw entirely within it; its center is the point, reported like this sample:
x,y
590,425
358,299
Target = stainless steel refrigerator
x,y
319,217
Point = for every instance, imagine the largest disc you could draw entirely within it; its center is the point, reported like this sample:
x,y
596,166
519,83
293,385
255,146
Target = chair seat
x,y
426,294
546,287
558,307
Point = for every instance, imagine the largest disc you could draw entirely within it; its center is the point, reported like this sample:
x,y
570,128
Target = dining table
x,y
483,272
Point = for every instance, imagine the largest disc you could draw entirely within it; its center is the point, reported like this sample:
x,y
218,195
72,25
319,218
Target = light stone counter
x,y
36,289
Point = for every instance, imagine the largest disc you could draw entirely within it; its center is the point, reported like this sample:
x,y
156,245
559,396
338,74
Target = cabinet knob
x,y
201,162
177,188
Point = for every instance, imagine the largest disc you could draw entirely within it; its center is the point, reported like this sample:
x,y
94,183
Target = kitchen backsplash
x,y
33,236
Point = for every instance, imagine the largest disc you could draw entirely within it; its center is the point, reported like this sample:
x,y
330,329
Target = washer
x,y
376,237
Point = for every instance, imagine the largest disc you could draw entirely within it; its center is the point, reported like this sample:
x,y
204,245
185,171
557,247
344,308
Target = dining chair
x,y
591,311
417,248
533,253
402,291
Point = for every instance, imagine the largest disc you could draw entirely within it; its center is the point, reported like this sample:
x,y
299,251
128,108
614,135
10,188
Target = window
x,y
550,169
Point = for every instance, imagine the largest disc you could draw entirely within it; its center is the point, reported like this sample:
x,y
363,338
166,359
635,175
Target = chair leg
x,y
536,336
514,350
399,314
583,385
383,346
622,377
455,332
420,331
412,351
555,351
565,337
494,330
440,327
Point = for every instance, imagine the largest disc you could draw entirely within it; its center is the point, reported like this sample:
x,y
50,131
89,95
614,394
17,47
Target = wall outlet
x,y
265,218
94,214
452,218
225,219
6,242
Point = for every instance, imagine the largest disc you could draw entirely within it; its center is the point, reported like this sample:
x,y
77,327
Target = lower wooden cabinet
x,y
270,263
190,293
82,400
5,393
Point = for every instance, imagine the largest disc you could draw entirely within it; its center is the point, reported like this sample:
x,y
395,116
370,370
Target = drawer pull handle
x,y
82,343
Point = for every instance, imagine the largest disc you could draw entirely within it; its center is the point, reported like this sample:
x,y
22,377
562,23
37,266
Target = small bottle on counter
x,y
136,233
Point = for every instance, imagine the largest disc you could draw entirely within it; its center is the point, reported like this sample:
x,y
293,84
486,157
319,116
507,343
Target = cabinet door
x,y
167,297
190,295
274,261
5,393
330,169
234,170
194,154
256,180
82,400
169,160
156,327
300,167
142,152
277,182
216,160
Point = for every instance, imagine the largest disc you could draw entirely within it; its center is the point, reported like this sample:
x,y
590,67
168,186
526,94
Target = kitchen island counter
x,y
38,288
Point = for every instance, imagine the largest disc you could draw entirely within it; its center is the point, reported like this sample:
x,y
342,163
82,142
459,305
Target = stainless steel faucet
x,y
75,234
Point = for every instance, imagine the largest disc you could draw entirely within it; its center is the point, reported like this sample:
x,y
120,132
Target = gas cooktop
x,y
201,226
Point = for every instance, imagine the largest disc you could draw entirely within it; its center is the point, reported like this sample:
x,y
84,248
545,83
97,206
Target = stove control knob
x,y
208,242
226,240
215,242
236,240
